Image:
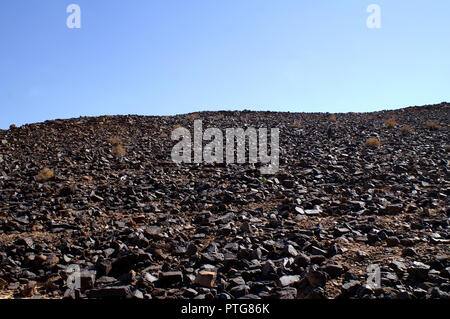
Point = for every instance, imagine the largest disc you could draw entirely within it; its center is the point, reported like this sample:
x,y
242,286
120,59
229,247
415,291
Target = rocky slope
x,y
138,225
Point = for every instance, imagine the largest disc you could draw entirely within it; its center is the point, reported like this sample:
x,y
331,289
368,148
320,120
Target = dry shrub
x,y
192,116
296,124
373,142
118,150
390,123
114,141
44,175
433,125
406,129
333,118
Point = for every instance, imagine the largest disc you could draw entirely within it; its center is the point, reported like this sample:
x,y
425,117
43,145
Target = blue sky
x,y
163,57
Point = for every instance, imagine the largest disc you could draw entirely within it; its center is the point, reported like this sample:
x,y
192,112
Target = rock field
x,y
115,206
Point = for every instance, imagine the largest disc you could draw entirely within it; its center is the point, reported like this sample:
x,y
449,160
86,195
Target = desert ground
x,y
101,195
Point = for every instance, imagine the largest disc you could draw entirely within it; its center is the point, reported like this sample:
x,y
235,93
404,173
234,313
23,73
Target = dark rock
x,y
317,259
392,241
419,270
317,278
302,260
239,291
333,270
408,252
170,277
398,266
87,280
351,288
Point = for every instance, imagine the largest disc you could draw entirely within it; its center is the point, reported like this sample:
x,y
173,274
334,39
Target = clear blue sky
x,y
161,57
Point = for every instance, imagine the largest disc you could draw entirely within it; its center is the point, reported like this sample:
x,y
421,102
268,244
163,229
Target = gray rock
x,y
398,266
289,280
289,250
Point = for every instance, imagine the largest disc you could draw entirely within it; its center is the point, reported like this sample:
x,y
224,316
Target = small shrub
x,y
296,124
373,142
406,129
114,141
333,118
390,123
12,126
192,116
433,125
44,175
118,150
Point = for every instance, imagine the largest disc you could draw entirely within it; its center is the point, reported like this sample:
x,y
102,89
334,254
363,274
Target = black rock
x,y
419,270
333,270
239,291
392,241
170,277
317,278
302,260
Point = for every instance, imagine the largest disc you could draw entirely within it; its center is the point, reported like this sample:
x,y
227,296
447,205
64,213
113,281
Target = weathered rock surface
x,y
140,226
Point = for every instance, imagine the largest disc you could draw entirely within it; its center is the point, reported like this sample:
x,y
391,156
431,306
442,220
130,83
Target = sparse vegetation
x,y
406,129
433,125
296,124
44,175
192,116
114,141
390,123
373,142
117,148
